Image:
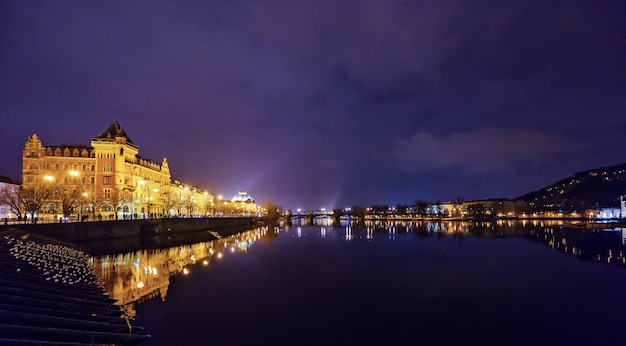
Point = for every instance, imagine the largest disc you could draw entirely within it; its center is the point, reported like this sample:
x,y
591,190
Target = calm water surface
x,y
384,284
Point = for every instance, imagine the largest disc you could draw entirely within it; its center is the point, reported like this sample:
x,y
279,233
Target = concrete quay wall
x,y
101,230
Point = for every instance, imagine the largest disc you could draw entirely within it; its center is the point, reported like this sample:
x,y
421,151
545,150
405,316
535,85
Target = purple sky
x,y
325,103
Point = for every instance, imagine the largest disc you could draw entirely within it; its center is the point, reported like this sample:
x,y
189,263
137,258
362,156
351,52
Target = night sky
x,y
318,104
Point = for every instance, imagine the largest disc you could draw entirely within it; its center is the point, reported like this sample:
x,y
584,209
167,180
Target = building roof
x,y
242,196
114,130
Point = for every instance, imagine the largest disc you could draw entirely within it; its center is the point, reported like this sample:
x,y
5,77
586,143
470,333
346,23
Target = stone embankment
x,y
103,230
49,296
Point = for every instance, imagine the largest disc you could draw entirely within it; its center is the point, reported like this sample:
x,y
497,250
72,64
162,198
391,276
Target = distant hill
x,y
595,188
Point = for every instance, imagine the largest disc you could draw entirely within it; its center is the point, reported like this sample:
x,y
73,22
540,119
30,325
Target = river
x,y
378,283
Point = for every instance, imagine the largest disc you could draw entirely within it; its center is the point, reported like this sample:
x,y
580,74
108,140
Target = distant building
x,y
242,196
108,180
492,207
604,213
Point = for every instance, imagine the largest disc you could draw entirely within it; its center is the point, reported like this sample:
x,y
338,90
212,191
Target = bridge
x,y
311,215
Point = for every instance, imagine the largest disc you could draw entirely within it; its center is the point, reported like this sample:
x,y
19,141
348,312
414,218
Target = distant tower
x,y
113,149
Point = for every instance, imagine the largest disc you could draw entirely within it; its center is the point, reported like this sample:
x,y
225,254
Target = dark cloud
x,y
314,103
485,150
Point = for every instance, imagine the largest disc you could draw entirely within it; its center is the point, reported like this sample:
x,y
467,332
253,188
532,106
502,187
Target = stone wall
x,y
99,230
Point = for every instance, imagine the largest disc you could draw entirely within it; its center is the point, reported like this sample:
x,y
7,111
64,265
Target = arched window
x,y
84,168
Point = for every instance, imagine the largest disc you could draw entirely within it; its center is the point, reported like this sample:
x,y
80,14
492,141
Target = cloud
x,y
485,150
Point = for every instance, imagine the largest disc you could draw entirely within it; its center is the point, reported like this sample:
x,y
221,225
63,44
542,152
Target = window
x,y
108,168
93,168
107,180
93,180
107,193
84,168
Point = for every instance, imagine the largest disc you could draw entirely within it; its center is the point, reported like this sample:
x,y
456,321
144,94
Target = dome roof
x,y
242,196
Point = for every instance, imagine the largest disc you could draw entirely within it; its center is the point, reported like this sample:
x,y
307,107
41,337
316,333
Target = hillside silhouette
x,y
595,188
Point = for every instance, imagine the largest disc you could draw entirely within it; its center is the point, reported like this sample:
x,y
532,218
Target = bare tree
x,y
207,207
93,201
189,204
118,200
33,199
70,200
420,207
272,211
457,204
169,201
10,196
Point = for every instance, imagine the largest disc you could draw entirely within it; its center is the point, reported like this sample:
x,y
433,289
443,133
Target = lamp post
x,y
76,174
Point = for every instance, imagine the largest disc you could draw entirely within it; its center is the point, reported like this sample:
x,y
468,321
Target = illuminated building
x,y
242,196
107,180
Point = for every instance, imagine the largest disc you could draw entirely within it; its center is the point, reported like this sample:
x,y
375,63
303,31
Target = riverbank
x,y
50,296
104,230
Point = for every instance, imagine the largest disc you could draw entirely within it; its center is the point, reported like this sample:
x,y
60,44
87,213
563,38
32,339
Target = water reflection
x,y
597,245
136,276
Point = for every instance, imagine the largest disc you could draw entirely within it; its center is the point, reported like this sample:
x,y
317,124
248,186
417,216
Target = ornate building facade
x,y
107,180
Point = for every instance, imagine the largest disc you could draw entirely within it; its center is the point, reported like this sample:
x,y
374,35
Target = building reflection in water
x,y
597,245
134,277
